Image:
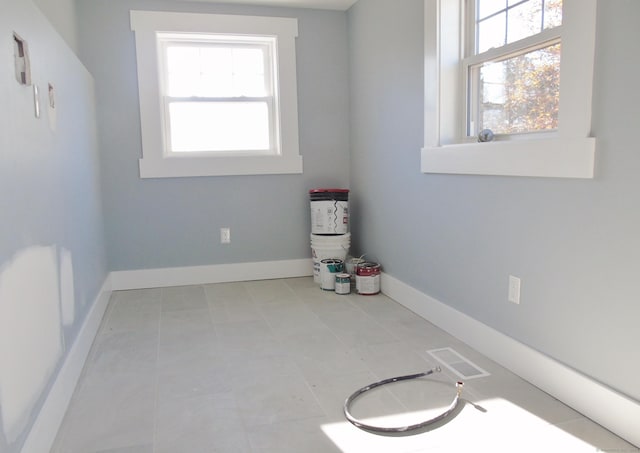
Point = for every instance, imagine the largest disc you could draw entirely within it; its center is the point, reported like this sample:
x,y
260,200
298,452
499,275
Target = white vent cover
x,y
458,364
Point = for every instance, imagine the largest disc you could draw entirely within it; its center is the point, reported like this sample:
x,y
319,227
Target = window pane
x,y
520,94
552,13
243,68
492,32
219,126
489,7
183,71
216,71
502,22
524,20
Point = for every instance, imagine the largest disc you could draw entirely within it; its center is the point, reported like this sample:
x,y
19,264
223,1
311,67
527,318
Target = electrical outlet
x,y
225,235
514,289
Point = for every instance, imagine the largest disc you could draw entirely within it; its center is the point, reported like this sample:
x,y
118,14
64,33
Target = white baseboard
x,y
217,273
45,428
593,399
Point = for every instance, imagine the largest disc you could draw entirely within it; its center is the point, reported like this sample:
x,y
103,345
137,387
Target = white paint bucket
x,y
327,247
329,211
329,268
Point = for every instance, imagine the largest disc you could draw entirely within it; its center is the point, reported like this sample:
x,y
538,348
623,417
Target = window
x,y
522,68
512,66
217,94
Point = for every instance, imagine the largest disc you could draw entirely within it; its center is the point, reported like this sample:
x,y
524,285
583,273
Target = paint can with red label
x,y
368,278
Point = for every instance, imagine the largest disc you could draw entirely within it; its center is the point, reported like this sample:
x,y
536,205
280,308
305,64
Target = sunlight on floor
x,y
500,427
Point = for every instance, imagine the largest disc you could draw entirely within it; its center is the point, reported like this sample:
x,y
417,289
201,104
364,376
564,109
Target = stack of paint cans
x,y
330,242
330,237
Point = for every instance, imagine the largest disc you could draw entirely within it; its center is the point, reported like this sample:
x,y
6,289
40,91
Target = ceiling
x,y
340,5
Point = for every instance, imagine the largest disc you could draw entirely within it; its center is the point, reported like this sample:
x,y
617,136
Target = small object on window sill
x,y
486,135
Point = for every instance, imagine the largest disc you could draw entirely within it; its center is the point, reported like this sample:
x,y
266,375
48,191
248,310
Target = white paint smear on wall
x,y
67,299
30,333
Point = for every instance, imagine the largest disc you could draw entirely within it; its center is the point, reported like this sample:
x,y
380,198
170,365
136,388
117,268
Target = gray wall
x,y
62,15
574,243
52,248
156,223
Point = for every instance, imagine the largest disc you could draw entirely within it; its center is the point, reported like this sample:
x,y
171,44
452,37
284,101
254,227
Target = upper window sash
x,y
213,41
507,14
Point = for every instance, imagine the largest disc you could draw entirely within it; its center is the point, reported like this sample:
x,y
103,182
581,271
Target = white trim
x,y
216,273
174,167
577,67
155,162
614,411
49,419
559,158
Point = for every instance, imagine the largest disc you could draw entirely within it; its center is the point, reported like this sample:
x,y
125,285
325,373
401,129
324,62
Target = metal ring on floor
x,y
400,429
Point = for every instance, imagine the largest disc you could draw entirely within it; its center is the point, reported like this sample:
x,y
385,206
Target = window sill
x,y
552,158
219,166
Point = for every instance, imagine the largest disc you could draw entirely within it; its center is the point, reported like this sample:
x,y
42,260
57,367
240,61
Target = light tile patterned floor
x,y
265,367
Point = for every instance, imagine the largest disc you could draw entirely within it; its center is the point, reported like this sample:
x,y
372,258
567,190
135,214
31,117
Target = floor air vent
x,y
459,365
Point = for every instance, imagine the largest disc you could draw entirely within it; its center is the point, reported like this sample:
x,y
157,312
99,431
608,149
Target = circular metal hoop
x,y
399,429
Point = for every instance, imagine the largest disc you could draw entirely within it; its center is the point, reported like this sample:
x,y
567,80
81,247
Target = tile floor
x,y
265,367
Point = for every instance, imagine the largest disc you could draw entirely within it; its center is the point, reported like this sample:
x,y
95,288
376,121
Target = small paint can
x,y
328,270
343,283
368,278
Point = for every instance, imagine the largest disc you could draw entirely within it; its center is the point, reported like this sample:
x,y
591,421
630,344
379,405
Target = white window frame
x,y
568,152
156,162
